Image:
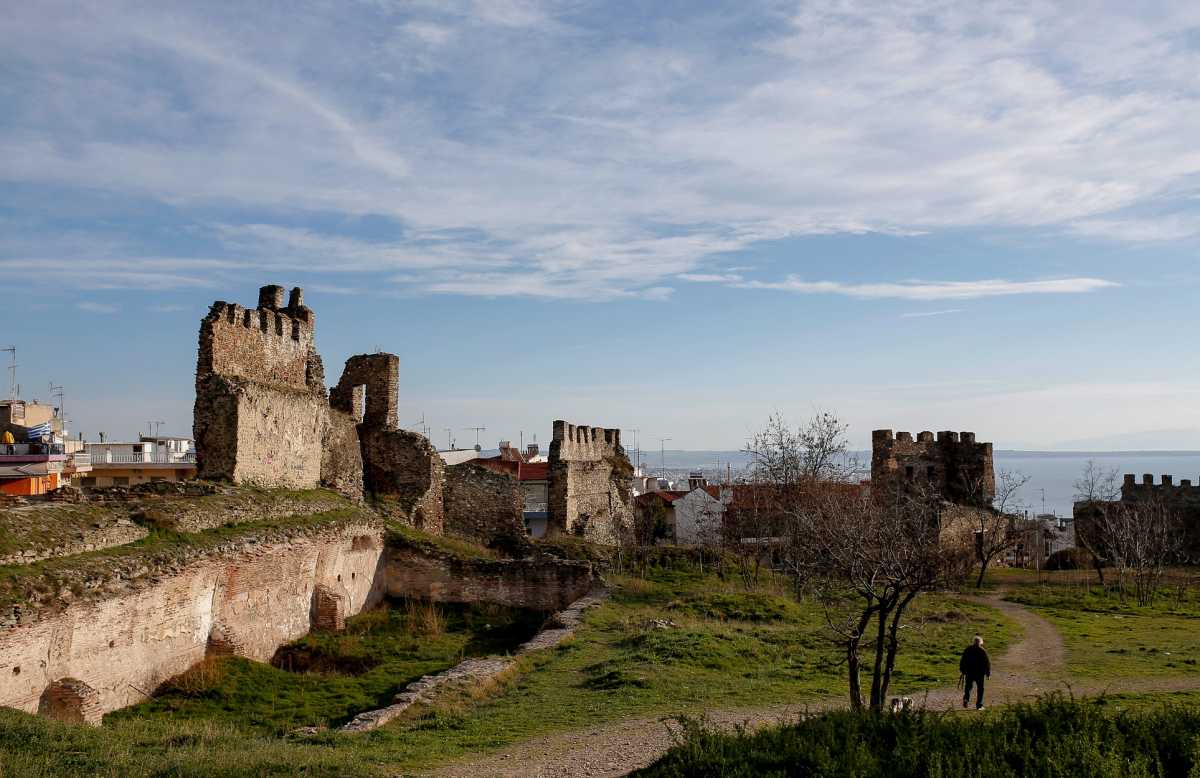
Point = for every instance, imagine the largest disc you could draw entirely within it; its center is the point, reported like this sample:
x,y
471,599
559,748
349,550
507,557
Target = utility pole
x,y
449,443
662,448
12,371
638,447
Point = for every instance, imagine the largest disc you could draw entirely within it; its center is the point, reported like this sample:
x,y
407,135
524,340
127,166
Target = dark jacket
x,y
975,662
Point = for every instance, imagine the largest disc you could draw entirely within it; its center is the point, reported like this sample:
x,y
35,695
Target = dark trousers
x,y
978,683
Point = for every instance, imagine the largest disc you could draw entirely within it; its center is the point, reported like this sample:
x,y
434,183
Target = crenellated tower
x,y
952,464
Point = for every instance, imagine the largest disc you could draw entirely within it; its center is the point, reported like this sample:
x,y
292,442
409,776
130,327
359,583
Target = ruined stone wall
x,y
483,506
261,409
546,585
246,602
341,455
590,492
953,465
405,475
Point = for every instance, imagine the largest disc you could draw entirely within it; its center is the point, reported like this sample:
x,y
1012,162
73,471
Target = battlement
x,y
887,437
1167,485
954,464
270,344
581,442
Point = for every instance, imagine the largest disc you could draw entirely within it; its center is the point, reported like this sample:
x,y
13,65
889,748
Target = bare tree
x,y
994,530
1140,539
817,451
1096,487
864,557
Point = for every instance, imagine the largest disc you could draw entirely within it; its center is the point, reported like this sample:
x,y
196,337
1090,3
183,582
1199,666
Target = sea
x,y
1052,474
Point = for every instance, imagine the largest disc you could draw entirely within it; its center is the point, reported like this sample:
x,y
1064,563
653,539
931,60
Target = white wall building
x,y
698,517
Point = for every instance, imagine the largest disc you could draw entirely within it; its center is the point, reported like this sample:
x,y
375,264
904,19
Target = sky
x,y
671,217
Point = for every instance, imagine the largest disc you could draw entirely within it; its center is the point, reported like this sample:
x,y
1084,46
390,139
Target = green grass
x,y
1110,637
405,536
729,650
328,678
1053,737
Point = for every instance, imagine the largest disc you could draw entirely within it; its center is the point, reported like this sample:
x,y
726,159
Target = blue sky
x,y
676,217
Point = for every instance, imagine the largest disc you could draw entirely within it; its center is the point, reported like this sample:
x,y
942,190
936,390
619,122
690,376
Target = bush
x,y
1053,737
1069,559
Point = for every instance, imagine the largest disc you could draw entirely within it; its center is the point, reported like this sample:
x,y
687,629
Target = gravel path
x,y
1029,668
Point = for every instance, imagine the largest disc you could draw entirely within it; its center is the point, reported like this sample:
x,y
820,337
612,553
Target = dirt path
x,y
1032,666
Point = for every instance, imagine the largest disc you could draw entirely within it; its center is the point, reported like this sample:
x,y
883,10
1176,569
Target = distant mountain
x,y
1149,440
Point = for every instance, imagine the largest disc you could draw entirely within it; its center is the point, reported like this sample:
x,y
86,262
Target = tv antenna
x,y
449,441
153,426
56,391
662,448
477,431
12,371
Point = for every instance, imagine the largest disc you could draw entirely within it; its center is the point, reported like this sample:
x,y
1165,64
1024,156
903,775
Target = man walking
x,y
974,667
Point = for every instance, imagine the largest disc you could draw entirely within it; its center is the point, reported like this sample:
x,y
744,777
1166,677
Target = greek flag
x,y
40,431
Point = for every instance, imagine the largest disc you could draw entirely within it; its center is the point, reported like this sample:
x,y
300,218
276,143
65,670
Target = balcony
x,y
78,462
18,453
101,459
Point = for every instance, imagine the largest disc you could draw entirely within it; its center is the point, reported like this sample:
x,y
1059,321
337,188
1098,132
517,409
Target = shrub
x,y
1069,559
1052,737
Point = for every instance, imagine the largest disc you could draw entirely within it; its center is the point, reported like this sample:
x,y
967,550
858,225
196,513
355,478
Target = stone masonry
x,y
260,393
589,492
484,506
263,415
401,469
953,465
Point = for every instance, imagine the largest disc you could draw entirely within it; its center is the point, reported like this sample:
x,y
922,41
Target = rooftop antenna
x,y
12,371
662,448
449,442
638,449
152,426
477,431
56,391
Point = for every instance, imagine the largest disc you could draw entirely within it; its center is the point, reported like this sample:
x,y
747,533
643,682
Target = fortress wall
x,y
247,602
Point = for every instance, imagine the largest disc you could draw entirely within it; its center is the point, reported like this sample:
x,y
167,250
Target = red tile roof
x,y
534,471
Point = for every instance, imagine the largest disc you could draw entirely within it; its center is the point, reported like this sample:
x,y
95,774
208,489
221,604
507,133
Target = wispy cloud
x,y
94,307
934,290
924,314
710,278
539,137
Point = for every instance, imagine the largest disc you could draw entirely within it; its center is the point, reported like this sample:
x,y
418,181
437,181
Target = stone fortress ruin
x,y
953,465
325,479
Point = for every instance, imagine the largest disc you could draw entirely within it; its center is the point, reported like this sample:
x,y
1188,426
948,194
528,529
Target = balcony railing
x,y
30,449
158,458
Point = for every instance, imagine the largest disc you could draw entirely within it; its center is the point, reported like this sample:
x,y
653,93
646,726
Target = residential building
x,y
700,515
150,458
34,456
